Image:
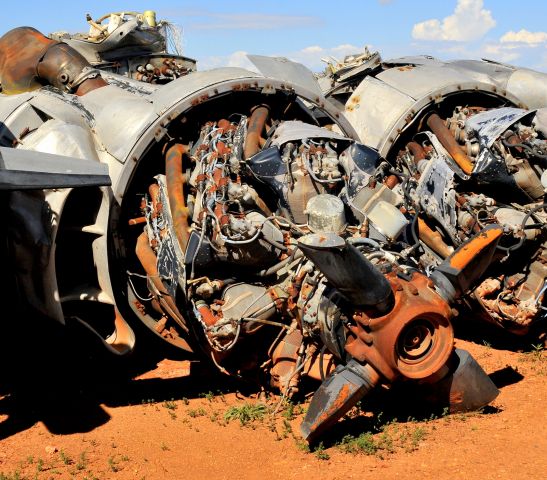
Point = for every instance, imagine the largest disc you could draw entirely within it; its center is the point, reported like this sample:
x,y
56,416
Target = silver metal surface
x,y
374,109
387,220
176,91
21,169
489,125
297,130
120,118
57,136
385,103
283,69
540,121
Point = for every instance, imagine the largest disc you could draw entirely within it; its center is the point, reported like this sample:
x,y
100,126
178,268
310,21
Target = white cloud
x,y
499,52
309,56
312,49
492,50
346,47
236,59
524,36
470,21
239,59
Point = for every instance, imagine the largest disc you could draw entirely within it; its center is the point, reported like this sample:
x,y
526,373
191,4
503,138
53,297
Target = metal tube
x,y
416,150
448,141
154,191
433,239
256,126
148,260
175,182
270,271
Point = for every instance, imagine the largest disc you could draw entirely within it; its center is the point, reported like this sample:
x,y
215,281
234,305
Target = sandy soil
x,y
64,414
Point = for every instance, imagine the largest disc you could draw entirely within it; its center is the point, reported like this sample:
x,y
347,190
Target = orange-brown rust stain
x,y
175,182
341,399
433,239
461,258
20,51
448,141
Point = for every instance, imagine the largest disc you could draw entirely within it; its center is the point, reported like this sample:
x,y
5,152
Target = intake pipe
x,y
30,60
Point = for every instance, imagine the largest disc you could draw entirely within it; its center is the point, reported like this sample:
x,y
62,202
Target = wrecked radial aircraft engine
x,y
238,228
482,167
320,285
467,149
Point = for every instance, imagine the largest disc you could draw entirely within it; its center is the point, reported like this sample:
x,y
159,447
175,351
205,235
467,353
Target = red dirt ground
x,y
123,429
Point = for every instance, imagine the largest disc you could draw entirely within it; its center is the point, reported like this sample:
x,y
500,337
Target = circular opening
x,y
416,341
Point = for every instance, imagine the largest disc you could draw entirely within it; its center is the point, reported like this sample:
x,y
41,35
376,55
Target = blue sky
x,y
221,33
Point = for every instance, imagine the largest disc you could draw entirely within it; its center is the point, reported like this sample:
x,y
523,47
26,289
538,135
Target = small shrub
x,y
320,453
364,443
170,404
82,462
113,464
65,458
246,413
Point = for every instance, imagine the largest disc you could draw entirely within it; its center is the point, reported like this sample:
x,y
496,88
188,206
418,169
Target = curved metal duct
x,y
29,60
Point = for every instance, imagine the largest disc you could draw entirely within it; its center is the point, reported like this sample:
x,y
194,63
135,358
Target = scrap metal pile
x,y
132,44
249,224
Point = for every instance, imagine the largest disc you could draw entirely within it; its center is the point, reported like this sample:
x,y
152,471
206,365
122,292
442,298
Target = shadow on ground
x,y
61,376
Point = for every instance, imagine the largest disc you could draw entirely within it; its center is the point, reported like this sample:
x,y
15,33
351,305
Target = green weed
x,y
199,412
113,464
364,443
81,464
320,453
65,458
246,413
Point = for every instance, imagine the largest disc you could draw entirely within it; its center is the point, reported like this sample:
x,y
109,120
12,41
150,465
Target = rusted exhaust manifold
x,y
175,188
29,60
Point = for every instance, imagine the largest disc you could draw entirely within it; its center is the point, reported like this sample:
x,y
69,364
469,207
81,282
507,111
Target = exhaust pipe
x,y
175,191
448,141
257,122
